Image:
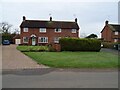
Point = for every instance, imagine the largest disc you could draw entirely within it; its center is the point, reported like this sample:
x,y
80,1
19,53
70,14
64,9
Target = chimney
x,y
50,18
76,20
24,18
106,22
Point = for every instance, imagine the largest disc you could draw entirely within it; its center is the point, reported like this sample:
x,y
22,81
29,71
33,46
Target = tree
x,y
92,36
5,27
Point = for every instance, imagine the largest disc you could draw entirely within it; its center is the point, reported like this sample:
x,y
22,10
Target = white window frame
x,y
42,30
25,29
56,39
44,41
58,30
115,40
24,40
116,33
74,31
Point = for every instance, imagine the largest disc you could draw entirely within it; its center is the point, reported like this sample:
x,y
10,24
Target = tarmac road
x,y
59,78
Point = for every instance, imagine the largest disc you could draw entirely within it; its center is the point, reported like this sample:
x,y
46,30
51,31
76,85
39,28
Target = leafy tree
x,y
92,36
5,27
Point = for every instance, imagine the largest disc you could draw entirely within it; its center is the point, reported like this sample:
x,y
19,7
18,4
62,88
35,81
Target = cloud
x,y
60,0
91,15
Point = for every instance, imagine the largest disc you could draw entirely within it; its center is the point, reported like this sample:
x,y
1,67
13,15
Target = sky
x,y
91,14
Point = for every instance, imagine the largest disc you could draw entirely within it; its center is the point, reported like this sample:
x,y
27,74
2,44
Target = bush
x,y
76,44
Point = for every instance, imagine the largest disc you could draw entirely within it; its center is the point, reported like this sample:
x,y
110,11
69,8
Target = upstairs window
x,y
58,30
43,30
116,33
74,31
25,29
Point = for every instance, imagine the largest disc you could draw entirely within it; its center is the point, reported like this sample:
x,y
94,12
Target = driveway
x,y
113,51
14,59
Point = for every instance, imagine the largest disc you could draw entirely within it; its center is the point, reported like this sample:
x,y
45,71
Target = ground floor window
x,y
25,39
115,40
43,40
56,39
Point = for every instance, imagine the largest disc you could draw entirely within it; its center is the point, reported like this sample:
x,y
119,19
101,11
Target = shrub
x,y
76,44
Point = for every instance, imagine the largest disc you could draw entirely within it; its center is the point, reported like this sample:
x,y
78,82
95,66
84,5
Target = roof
x,y
113,27
49,24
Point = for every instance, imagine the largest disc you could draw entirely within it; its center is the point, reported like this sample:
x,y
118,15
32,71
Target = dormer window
x,y
25,29
58,30
43,30
74,31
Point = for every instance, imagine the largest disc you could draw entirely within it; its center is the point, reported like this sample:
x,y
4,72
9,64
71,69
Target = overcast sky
x,y
91,15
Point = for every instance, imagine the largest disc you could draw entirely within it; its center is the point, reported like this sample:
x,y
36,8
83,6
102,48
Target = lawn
x,y
75,59
32,48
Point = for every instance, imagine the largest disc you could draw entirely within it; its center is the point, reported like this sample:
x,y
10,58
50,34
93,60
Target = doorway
x,y
33,41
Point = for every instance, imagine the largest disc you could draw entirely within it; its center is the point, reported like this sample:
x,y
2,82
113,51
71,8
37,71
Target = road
x,y
57,78
19,71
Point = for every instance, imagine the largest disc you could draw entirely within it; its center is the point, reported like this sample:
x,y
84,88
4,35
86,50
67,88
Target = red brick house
x,y
41,32
111,32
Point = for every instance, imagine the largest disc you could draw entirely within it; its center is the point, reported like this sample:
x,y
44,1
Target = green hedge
x,y
76,44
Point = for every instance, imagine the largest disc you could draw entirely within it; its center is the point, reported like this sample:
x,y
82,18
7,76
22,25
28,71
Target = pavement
x,y
14,59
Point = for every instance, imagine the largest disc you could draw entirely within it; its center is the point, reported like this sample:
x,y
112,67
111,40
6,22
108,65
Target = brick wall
x,y
107,34
50,33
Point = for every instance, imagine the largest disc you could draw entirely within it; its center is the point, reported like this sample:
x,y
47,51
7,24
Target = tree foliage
x,y
92,36
5,27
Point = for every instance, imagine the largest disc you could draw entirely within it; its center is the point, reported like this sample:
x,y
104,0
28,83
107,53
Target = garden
x,y
76,54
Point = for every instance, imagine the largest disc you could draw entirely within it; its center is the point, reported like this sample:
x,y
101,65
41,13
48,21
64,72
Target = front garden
x,y
75,59
75,53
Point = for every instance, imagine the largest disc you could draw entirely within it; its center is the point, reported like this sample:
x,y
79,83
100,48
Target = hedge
x,y
77,44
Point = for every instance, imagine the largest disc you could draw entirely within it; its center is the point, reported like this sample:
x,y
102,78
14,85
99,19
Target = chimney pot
x,y
76,20
106,22
24,18
50,18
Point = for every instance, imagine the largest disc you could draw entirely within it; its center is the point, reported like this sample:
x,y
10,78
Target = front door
x,y
33,41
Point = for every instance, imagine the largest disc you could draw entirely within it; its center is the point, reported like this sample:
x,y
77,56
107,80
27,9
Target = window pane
x,y
57,30
43,39
25,39
116,33
73,30
42,29
25,29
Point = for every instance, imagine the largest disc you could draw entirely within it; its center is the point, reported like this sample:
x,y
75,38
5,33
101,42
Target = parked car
x,y
117,46
6,42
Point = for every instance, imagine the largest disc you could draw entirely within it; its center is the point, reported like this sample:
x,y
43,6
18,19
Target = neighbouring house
x,y
16,39
43,32
111,32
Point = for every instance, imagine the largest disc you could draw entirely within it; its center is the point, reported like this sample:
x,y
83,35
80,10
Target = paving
x,y
14,59
113,51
